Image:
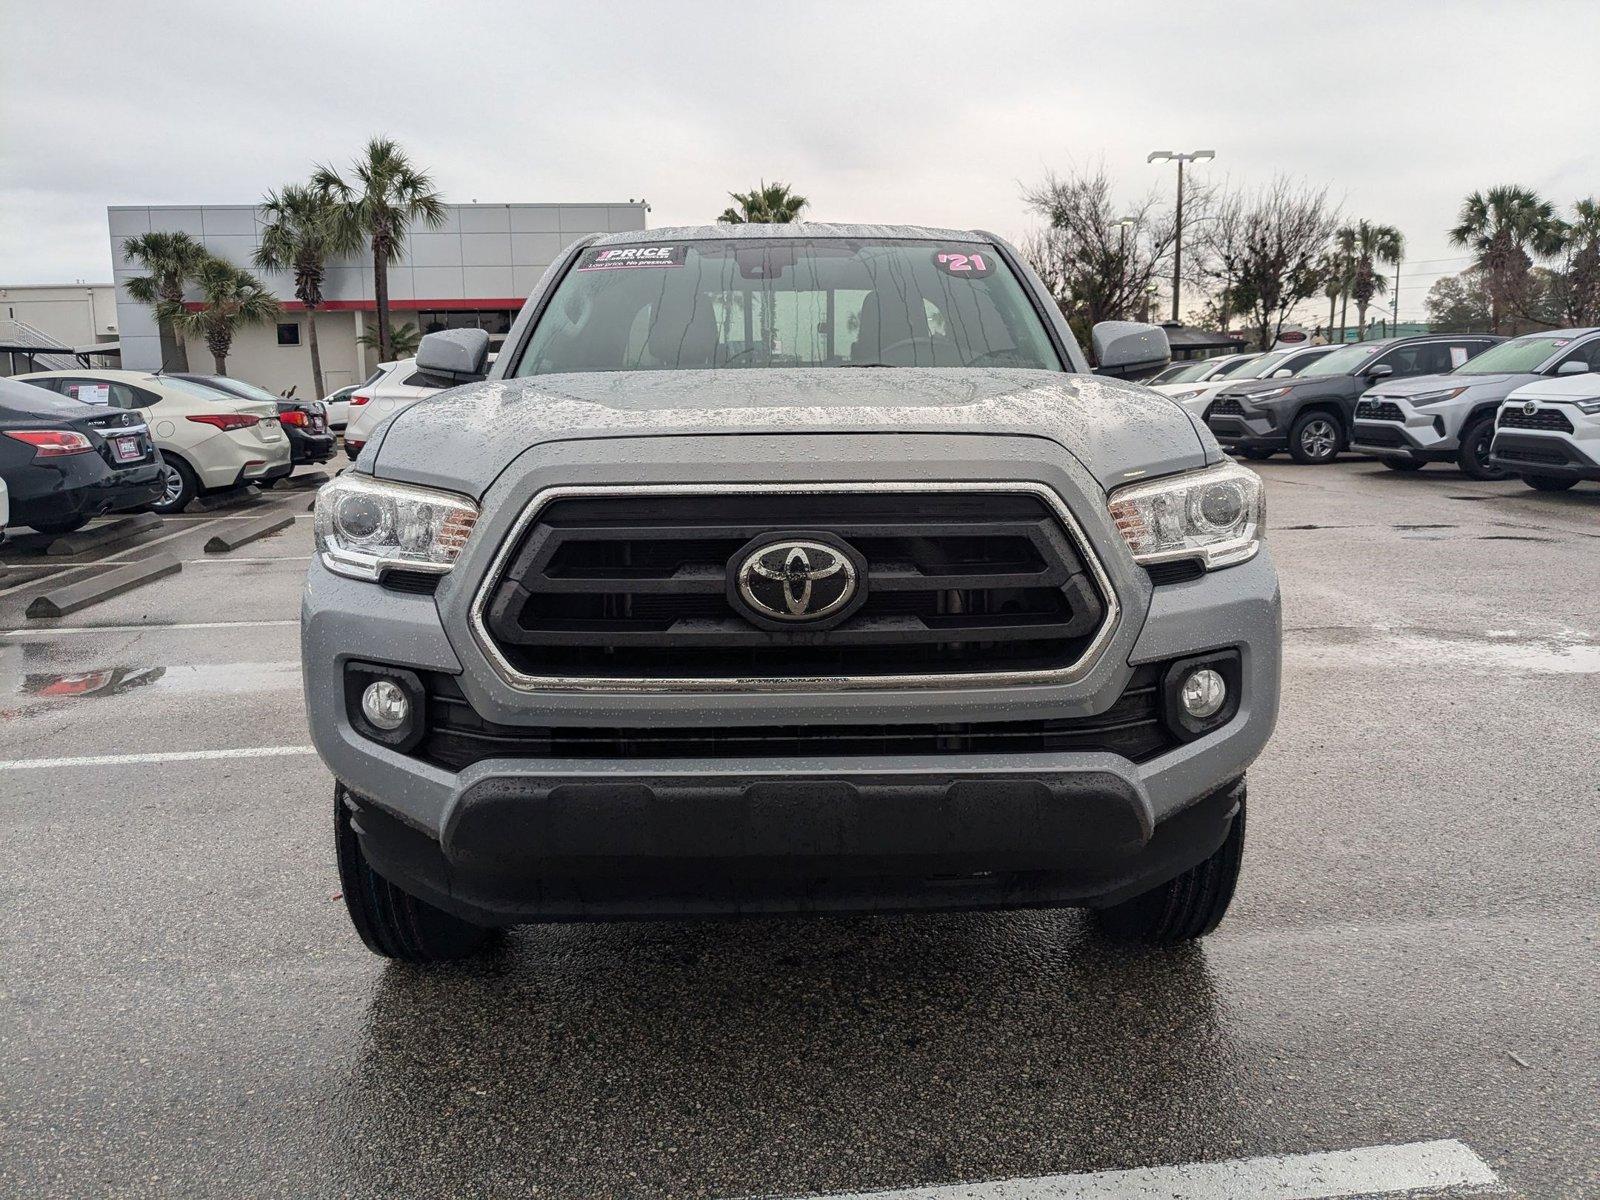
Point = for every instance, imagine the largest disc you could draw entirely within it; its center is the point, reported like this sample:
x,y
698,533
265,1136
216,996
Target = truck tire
x,y
393,923
1549,483
1184,908
1315,438
1473,457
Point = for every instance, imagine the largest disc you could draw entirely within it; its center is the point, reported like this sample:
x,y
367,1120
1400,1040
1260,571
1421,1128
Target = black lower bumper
x,y
1233,433
1531,454
517,850
310,448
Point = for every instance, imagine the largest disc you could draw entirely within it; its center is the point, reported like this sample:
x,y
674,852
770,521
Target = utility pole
x,y
1396,297
1122,262
1177,238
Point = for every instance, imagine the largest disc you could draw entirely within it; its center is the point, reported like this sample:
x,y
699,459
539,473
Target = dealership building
x,y
473,271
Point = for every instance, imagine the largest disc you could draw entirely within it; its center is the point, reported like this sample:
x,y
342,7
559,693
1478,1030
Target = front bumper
x,y
1251,429
1555,455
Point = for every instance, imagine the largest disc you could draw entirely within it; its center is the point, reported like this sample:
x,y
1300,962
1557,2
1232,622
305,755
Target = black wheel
x,y
65,525
391,922
1259,455
1473,457
1549,483
1185,908
1404,464
178,487
1315,438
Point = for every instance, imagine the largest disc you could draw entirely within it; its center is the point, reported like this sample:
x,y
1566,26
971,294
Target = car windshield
x,y
727,304
1343,361
1187,373
1234,368
1520,356
1266,364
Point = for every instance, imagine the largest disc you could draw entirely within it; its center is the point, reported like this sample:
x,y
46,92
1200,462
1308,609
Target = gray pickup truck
x,y
788,568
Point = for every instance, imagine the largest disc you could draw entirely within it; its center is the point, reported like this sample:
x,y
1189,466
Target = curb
x,y
103,535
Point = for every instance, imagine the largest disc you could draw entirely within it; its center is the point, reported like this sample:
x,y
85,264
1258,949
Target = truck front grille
x,y
635,587
1543,418
457,736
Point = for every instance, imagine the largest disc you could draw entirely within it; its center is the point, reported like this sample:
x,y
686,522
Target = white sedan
x,y
396,386
208,439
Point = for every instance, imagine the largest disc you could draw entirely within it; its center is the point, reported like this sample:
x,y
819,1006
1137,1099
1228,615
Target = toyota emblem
x,y
793,580
1529,409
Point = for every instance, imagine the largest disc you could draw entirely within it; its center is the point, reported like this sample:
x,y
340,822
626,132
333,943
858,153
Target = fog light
x,y
1204,693
386,705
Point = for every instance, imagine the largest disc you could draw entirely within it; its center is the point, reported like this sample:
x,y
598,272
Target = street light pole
x,y
1177,237
1122,259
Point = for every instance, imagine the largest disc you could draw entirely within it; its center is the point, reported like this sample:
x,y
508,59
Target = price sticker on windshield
x,y
623,258
966,264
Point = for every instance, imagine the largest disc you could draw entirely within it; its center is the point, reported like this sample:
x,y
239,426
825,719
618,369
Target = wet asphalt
x,y
1414,952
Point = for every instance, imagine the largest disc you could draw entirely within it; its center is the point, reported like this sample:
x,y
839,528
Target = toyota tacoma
x,y
788,568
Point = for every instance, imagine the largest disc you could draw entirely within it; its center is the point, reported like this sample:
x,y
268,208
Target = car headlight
x,y
365,526
1189,395
1272,394
1589,407
1217,515
1437,397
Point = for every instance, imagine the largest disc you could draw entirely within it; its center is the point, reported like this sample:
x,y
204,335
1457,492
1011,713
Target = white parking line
x,y
1370,1171
46,630
165,756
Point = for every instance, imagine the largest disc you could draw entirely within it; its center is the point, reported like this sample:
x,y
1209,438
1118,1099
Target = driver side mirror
x,y
1573,366
1282,373
1129,349
454,356
1379,371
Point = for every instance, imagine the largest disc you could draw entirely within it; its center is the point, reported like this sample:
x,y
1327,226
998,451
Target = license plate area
x,y
126,449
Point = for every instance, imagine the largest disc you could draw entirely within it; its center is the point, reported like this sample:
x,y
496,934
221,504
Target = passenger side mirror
x,y
1379,371
1573,366
1282,373
1129,349
454,356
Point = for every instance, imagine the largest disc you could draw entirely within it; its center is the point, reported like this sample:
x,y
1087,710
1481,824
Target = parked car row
x,y
1526,407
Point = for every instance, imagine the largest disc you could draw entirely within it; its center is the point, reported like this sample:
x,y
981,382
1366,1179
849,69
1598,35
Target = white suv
x,y
396,386
208,439
1548,433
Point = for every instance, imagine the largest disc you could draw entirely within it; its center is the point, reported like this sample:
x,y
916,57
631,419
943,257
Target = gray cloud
x,y
923,112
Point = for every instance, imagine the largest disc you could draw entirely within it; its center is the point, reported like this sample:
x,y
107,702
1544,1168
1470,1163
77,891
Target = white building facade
x,y
474,271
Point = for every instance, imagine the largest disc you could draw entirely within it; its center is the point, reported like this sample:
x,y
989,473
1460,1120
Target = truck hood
x,y
463,438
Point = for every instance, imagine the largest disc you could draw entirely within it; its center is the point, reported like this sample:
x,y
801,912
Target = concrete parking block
x,y
233,498
97,536
60,601
248,531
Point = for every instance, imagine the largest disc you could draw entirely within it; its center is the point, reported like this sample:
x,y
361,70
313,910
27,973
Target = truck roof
x,y
795,229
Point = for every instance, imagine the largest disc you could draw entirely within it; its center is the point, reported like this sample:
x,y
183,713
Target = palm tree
x,y
1335,271
1505,228
1364,246
768,204
1582,274
229,297
385,196
171,259
403,340
304,229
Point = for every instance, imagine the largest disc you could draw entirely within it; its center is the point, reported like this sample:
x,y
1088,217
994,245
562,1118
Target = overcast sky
x,y
923,112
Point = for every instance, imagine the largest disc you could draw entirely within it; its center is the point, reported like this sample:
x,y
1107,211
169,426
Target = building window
x,y
496,322
288,333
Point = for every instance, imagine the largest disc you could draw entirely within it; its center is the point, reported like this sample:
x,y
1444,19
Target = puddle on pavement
x,y
198,679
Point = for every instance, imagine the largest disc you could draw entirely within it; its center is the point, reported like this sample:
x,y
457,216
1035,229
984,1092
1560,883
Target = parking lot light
x,y
385,704
1204,693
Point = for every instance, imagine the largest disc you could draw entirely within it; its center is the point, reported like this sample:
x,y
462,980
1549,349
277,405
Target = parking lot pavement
x,y
1412,957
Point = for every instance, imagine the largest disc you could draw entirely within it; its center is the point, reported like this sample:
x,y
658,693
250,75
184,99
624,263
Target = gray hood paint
x,y
1418,384
1118,431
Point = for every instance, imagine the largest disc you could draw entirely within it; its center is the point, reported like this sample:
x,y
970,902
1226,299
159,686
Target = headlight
x,y
1273,394
365,525
1589,407
1189,395
1217,515
1437,397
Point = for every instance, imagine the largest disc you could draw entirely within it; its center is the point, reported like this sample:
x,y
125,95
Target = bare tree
x,y
1097,258
1271,250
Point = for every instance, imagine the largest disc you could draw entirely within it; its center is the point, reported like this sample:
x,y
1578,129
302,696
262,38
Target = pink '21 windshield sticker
x,y
617,258
966,264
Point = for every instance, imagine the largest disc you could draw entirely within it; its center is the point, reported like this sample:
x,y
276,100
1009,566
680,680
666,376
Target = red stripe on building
x,y
514,302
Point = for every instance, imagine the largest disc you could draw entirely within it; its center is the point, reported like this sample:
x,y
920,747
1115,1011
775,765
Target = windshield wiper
x,y
869,364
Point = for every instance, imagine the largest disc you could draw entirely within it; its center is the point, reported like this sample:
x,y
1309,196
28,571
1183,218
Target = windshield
x,y
1520,356
1264,365
828,302
239,387
1188,372
1234,367
1342,361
